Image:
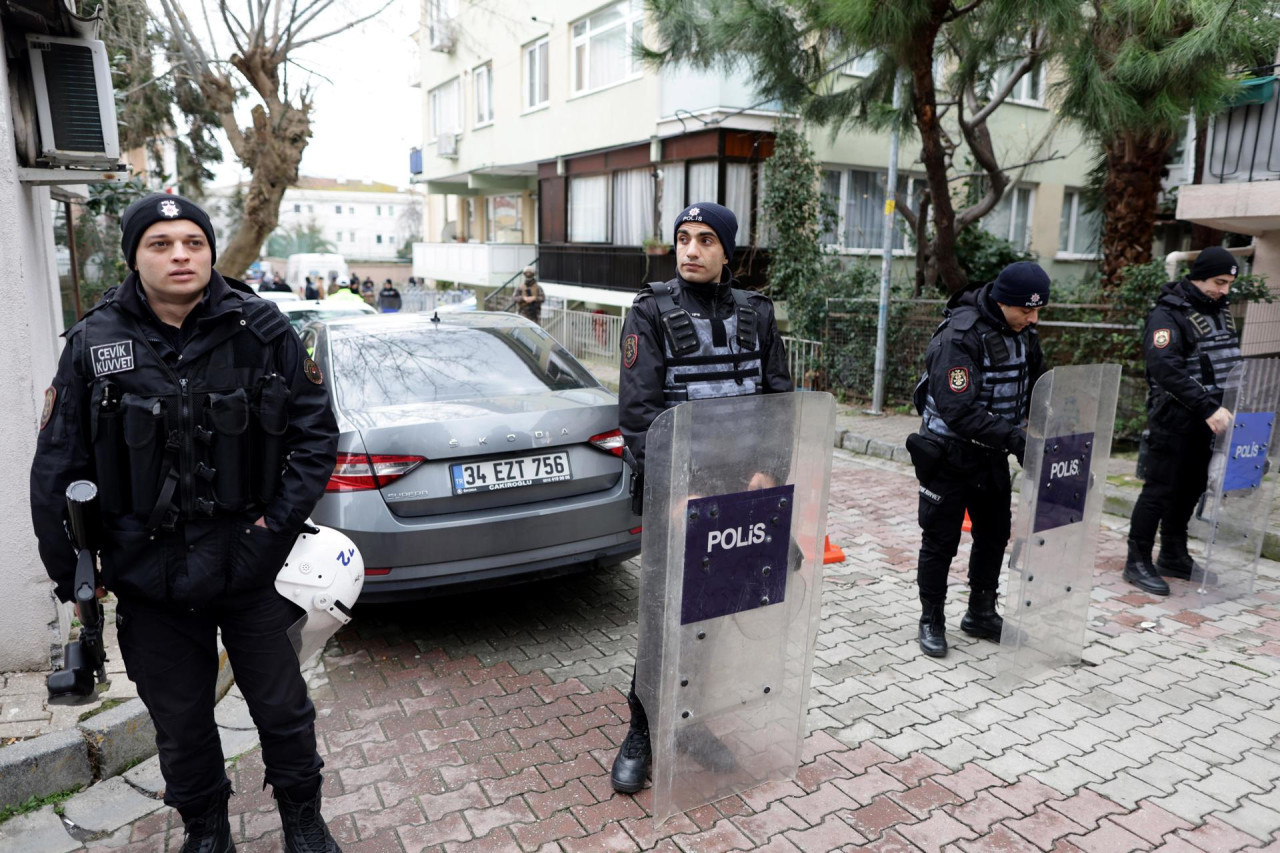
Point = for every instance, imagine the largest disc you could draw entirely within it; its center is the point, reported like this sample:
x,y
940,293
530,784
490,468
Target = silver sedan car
x,y
473,448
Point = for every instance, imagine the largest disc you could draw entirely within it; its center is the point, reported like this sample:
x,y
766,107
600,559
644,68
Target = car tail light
x,y
377,571
609,442
635,530
358,472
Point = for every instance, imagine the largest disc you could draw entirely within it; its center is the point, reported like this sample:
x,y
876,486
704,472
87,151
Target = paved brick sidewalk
x,y
488,722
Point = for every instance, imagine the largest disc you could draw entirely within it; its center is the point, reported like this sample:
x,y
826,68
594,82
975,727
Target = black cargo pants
x,y
171,654
966,478
1177,471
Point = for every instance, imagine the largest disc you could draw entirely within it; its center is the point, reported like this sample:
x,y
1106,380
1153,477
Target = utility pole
x,y
886,265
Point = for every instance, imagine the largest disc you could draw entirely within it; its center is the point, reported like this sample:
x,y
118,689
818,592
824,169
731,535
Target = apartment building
x,y
364,220
544,138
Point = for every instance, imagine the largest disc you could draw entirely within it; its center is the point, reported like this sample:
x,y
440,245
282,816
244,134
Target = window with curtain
x,y
603,45
483,79
1011,217
502,219
444,105
632,206
537,90
830,191
862,208
737,197
704,182
1080,230
589,209
765,235
672,201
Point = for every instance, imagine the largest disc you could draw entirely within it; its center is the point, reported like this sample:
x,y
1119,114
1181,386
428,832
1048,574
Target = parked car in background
x,y
473,448
279,296
303,311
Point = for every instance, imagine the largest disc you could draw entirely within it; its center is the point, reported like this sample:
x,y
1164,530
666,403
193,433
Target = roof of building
x,y
306,182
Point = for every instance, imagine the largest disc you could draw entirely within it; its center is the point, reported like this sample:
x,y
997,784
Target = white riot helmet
x,y
323,575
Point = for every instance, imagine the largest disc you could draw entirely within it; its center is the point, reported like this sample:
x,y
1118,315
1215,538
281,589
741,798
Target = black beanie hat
x,y
719,218
1214,260
160,207
1022,285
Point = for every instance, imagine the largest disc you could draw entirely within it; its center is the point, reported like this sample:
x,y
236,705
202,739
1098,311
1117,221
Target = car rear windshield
x,y
395,366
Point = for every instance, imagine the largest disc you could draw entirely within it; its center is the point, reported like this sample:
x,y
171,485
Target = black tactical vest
x,y
1003,393
184,440
698,368
1216,357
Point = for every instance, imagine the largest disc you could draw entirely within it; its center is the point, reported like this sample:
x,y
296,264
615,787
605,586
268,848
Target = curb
x,y
1117,500
97,749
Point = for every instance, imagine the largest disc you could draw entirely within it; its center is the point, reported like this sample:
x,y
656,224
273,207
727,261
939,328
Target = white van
x,y
323,269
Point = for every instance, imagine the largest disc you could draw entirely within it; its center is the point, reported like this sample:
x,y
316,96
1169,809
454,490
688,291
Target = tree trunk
x,y
277,143
1135,165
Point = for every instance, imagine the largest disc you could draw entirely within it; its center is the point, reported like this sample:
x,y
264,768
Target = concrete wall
x,y
33,622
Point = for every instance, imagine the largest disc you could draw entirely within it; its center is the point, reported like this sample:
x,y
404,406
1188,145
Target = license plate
x,y
495,474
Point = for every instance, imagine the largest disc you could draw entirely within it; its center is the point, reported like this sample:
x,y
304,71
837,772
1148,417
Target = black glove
x,y
1018,445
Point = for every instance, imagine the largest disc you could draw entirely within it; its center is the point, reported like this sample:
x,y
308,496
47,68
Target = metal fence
x,y
804,360
1069,334
415,300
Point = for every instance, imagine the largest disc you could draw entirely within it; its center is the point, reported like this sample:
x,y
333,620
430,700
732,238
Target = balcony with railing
x,y
1239,190
629,267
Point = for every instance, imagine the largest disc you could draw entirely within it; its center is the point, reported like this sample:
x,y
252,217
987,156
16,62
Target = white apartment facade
x,y
364,220
541,129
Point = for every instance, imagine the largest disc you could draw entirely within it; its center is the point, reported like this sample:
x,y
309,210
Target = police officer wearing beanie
x,y
209,433
695,337
980,368
1191,348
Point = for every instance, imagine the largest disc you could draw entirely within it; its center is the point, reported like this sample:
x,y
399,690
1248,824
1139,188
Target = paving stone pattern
x,y
487,722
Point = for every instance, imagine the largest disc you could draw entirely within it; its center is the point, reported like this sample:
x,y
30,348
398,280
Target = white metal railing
x,y
586,335
414,300
802,361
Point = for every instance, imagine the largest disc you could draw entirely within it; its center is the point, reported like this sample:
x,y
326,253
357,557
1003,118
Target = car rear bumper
x,y
404,581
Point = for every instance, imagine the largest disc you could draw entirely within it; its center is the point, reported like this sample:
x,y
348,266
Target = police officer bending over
x,y
695,337
190,403
979,371
1191,347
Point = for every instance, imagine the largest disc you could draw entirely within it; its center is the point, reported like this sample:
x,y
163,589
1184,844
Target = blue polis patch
x,y
1247,456
1064,481
735,552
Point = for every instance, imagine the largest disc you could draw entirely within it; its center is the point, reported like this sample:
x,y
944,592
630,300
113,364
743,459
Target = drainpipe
x,y
1174,259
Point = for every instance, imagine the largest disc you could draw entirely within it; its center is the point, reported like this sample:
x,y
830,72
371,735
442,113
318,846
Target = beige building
x,y
544,138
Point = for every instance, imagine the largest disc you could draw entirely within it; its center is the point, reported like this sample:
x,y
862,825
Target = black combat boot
x,y
981,619
304,828
1139,571
1175,560
933,635
211,831
632,764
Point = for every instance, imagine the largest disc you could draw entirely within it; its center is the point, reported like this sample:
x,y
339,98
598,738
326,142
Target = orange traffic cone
x,y
967,527
831,553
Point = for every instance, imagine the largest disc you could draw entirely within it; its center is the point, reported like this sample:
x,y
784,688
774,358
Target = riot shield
x,y
1055,537
735,511
1241,486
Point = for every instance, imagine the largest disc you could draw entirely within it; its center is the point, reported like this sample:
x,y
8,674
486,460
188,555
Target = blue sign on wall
x,y
1064,481
1246,459
736,552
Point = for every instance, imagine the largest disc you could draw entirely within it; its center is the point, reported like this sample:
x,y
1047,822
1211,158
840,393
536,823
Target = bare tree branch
x,y
1024,66
963,10
1049,159
354,23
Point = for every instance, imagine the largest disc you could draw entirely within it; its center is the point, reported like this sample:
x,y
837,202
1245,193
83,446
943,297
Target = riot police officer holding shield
x,y
695,337
1191,349
191,404
980,368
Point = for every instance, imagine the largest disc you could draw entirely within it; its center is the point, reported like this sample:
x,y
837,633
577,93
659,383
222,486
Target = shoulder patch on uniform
x,y
50,399
111,358
312,370
1160,338
958,379
265,320
630,350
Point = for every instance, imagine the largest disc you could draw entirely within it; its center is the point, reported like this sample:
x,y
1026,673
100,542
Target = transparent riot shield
x,y
1055,536
735,511
1241,486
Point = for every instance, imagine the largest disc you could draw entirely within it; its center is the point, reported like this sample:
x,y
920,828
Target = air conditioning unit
x,y
447,145
443,35
75,105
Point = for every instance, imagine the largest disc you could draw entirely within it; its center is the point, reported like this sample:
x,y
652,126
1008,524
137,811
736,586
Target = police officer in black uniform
x,y
980,368
1191,347
209,433
695,337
